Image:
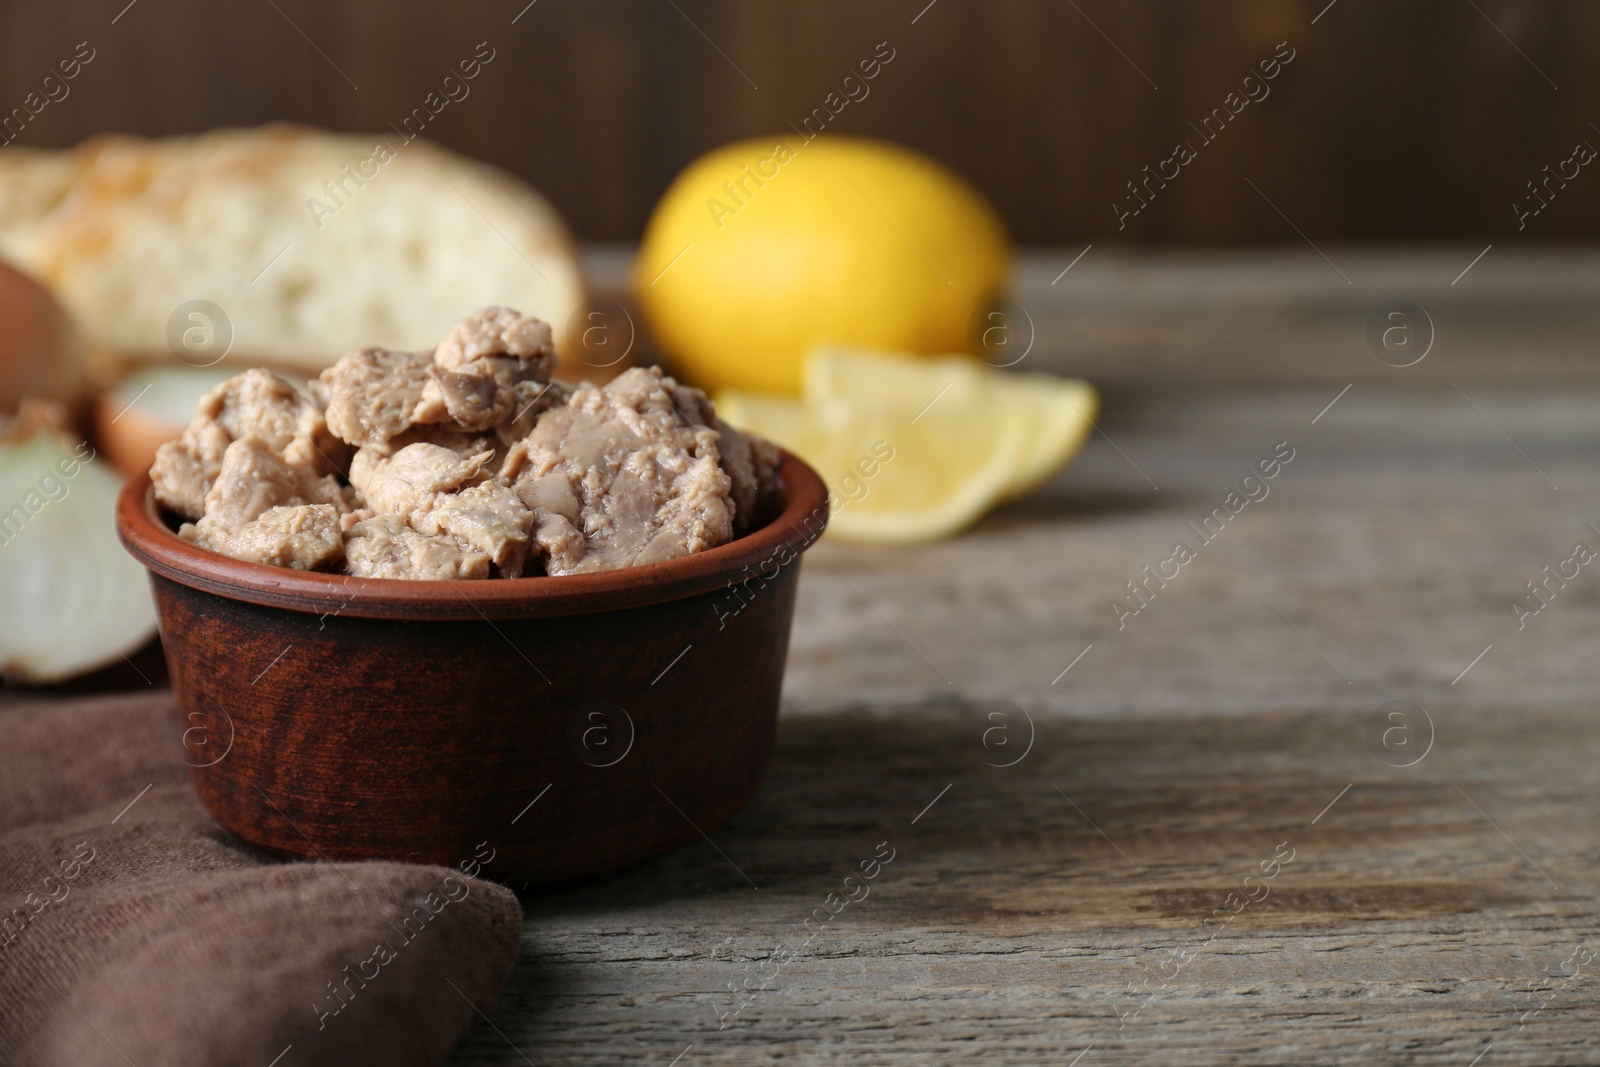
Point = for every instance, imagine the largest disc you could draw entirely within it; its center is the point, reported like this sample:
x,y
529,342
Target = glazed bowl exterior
x,y
575,725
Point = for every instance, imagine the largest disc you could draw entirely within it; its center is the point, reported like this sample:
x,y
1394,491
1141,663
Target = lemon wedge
x,y
1057,412
891,480
1060,413
916,448
892,379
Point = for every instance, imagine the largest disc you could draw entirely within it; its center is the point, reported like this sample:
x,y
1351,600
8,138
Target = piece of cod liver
x,y
492,369
373,394
621,477
385,547
263,508
749,461
438,491
256,404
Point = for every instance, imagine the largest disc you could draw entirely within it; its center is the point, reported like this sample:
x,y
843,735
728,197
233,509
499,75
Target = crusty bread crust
x,y
31,183
311,243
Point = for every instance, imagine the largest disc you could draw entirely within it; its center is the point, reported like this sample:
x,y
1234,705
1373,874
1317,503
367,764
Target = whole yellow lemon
x,y
763,248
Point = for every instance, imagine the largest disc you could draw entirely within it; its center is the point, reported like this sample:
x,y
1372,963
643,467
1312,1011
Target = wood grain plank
x,y
1044,908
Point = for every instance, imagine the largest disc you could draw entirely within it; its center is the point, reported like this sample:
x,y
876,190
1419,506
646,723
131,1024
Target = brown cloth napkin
x,y
137,932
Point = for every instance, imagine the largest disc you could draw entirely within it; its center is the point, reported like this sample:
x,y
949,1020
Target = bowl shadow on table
x,y
839,784
836,779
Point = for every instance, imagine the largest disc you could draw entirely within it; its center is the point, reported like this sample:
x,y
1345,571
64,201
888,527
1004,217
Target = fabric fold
x,y
137,931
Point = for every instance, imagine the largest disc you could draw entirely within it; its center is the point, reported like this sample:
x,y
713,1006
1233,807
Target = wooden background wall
x,y
1397,119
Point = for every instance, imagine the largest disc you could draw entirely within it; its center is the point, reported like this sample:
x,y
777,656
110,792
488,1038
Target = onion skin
x,y
41,354
129,436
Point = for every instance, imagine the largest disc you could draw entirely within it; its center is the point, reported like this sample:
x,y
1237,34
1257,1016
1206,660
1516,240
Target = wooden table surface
x,y
1324,799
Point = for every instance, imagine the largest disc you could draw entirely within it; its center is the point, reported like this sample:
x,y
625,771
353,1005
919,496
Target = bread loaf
x,y
309,243
31,183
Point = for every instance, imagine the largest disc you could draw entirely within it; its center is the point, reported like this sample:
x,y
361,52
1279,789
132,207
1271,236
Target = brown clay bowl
x,y
577,725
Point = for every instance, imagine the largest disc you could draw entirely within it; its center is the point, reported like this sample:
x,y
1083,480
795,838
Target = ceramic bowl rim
x,y
801,518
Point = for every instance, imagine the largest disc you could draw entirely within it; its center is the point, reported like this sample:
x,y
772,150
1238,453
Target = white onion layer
x,y
71,598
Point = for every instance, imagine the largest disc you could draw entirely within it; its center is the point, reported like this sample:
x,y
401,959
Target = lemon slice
x,y
895,477
1061,412
872,376
1058,413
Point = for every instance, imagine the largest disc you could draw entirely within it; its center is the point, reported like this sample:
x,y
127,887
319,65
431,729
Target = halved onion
x,y
149,407
75,601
